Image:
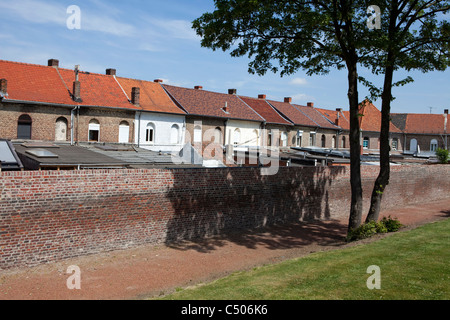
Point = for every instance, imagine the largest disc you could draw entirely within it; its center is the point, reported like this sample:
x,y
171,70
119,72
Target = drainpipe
x,y
72,125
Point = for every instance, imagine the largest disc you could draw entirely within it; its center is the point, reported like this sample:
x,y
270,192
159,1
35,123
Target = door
x,y
413,145
124,132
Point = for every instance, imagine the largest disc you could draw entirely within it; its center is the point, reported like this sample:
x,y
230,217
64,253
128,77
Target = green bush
x,y
366,230
442,155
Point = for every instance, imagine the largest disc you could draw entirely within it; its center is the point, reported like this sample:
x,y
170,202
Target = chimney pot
x,y
232,91
3,86
262,96
288,99
310,104
158,81
111,72
198,87
446,111
53,63
339,109
135,95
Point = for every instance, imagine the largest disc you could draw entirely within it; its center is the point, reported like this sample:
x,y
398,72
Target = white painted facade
x,y
160,132
243,134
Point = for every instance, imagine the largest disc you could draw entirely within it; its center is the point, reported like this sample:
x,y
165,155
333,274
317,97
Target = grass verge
x,y
413,265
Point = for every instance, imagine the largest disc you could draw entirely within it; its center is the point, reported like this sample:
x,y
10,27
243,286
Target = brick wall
x,y
50,216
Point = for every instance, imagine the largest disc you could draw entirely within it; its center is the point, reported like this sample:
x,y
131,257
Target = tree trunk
x,y
355,149
383,177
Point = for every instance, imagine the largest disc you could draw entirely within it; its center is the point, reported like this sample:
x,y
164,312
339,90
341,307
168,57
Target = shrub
x,y
366,230
442,155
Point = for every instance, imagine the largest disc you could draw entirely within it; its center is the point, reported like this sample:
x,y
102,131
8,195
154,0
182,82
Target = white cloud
x,y
302,98
299,81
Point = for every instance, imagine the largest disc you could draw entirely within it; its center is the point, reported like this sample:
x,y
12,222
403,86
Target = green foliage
x,y
442,155
366,230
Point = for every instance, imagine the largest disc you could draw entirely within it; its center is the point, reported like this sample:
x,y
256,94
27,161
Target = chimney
x,y
111,72
198,87
225,108
76,86
158,81
232,91
3,87
53,63
135,95
339,109
262,96
445,111
288,100
310,104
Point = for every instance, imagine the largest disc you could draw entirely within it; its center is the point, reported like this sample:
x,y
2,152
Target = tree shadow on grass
x,y
283,211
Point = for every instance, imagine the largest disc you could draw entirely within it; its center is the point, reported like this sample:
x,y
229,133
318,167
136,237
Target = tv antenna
x,y
431,109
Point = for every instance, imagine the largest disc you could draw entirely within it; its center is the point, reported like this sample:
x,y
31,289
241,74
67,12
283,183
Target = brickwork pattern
x,y
50,215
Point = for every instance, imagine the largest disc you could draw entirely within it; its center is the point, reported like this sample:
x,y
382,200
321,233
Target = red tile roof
x,y
332,115
423,123
371,118
293,114
152,96
97,90
34,83
211,104
317,117
265,110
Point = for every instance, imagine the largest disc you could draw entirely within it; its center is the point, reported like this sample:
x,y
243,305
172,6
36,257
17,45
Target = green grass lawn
x,y
413,265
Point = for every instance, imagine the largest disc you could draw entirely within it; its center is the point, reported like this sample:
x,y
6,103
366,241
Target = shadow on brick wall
x,y
236,202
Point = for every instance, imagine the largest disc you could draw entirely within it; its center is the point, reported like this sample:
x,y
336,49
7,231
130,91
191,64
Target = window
x,y
333,142
197,134
324,141
366,143
395,144
433,145
174,134
237,137
24,127
150,133
284,139
218,135
413,145
312,139
298,138
124,132
343,142
61,129
255,138
94,131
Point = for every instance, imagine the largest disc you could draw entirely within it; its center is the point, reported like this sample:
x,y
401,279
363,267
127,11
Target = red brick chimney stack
x,y
262,96
111,72
232,91
53,63
3,87
198,87
310,104
76,86
158,81
288,100
135,95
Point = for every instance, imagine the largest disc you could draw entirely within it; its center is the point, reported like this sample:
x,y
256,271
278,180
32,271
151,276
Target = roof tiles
x,y
265,110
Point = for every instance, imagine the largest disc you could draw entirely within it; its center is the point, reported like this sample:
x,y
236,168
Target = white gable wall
x,y
168,131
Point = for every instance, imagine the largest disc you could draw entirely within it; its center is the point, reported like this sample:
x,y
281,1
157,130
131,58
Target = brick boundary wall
x,y
54,215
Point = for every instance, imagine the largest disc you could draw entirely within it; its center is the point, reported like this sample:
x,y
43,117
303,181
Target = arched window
x,y
255,138
150,133
24,127
197,133
124,132
218,135
333,142
61,129
413,145
284,139
324,140
394,144
237,137
174,134
366,144
343,142
94,130
433,145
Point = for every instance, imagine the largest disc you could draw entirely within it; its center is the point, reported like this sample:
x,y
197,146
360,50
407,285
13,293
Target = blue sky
x,y
154,40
